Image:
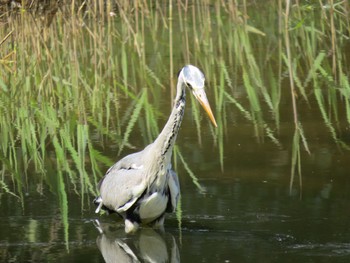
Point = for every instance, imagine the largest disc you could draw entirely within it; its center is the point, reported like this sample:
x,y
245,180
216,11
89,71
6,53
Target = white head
x,y
194,79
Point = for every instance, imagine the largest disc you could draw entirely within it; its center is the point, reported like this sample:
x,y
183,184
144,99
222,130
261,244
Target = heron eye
x,y
189,85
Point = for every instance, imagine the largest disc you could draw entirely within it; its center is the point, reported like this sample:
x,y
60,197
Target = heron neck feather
x,y
166,139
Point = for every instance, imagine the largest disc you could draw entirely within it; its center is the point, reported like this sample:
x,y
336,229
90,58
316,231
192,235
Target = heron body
x,y
142,186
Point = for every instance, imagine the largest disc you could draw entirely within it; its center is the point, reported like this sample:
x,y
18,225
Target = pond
x,y
85,84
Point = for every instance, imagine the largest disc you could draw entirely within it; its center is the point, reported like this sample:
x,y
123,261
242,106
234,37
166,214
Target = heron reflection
x,y
147,245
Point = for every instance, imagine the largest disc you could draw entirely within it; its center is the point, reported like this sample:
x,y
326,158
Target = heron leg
x,y
132,221
159,223
130,227
97,224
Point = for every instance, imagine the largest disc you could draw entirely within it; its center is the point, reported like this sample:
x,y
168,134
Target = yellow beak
x,y
202,98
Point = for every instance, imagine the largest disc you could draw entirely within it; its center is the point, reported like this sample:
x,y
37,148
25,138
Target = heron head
x,y
194,79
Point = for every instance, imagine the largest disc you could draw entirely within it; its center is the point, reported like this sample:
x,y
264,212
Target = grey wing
x,y
121,189
131,161
174,188
123,184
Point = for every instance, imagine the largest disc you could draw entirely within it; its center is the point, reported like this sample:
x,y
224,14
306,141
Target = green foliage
x,y
81,86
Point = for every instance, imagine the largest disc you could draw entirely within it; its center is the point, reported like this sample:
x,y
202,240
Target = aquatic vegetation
x,y
80,82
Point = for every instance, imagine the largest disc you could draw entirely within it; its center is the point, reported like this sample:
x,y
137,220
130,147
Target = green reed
x,y
132,29
90,75
321,71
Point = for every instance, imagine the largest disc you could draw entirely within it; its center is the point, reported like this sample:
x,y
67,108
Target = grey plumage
x,y
142,186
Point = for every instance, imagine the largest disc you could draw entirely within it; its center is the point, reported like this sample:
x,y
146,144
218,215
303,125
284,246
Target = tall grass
x,y
80,80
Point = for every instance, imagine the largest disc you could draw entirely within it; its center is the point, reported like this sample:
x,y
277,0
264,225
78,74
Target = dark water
x,y
241,220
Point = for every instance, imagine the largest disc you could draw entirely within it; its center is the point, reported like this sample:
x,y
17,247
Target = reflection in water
x,y
147,245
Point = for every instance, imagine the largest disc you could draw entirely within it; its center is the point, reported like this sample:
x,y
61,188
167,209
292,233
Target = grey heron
x,y
142,186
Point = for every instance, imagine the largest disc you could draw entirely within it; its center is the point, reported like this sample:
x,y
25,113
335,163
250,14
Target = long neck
x,y
166,139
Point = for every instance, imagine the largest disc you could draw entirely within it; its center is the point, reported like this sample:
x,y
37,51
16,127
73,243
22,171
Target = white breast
x,y
153,206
